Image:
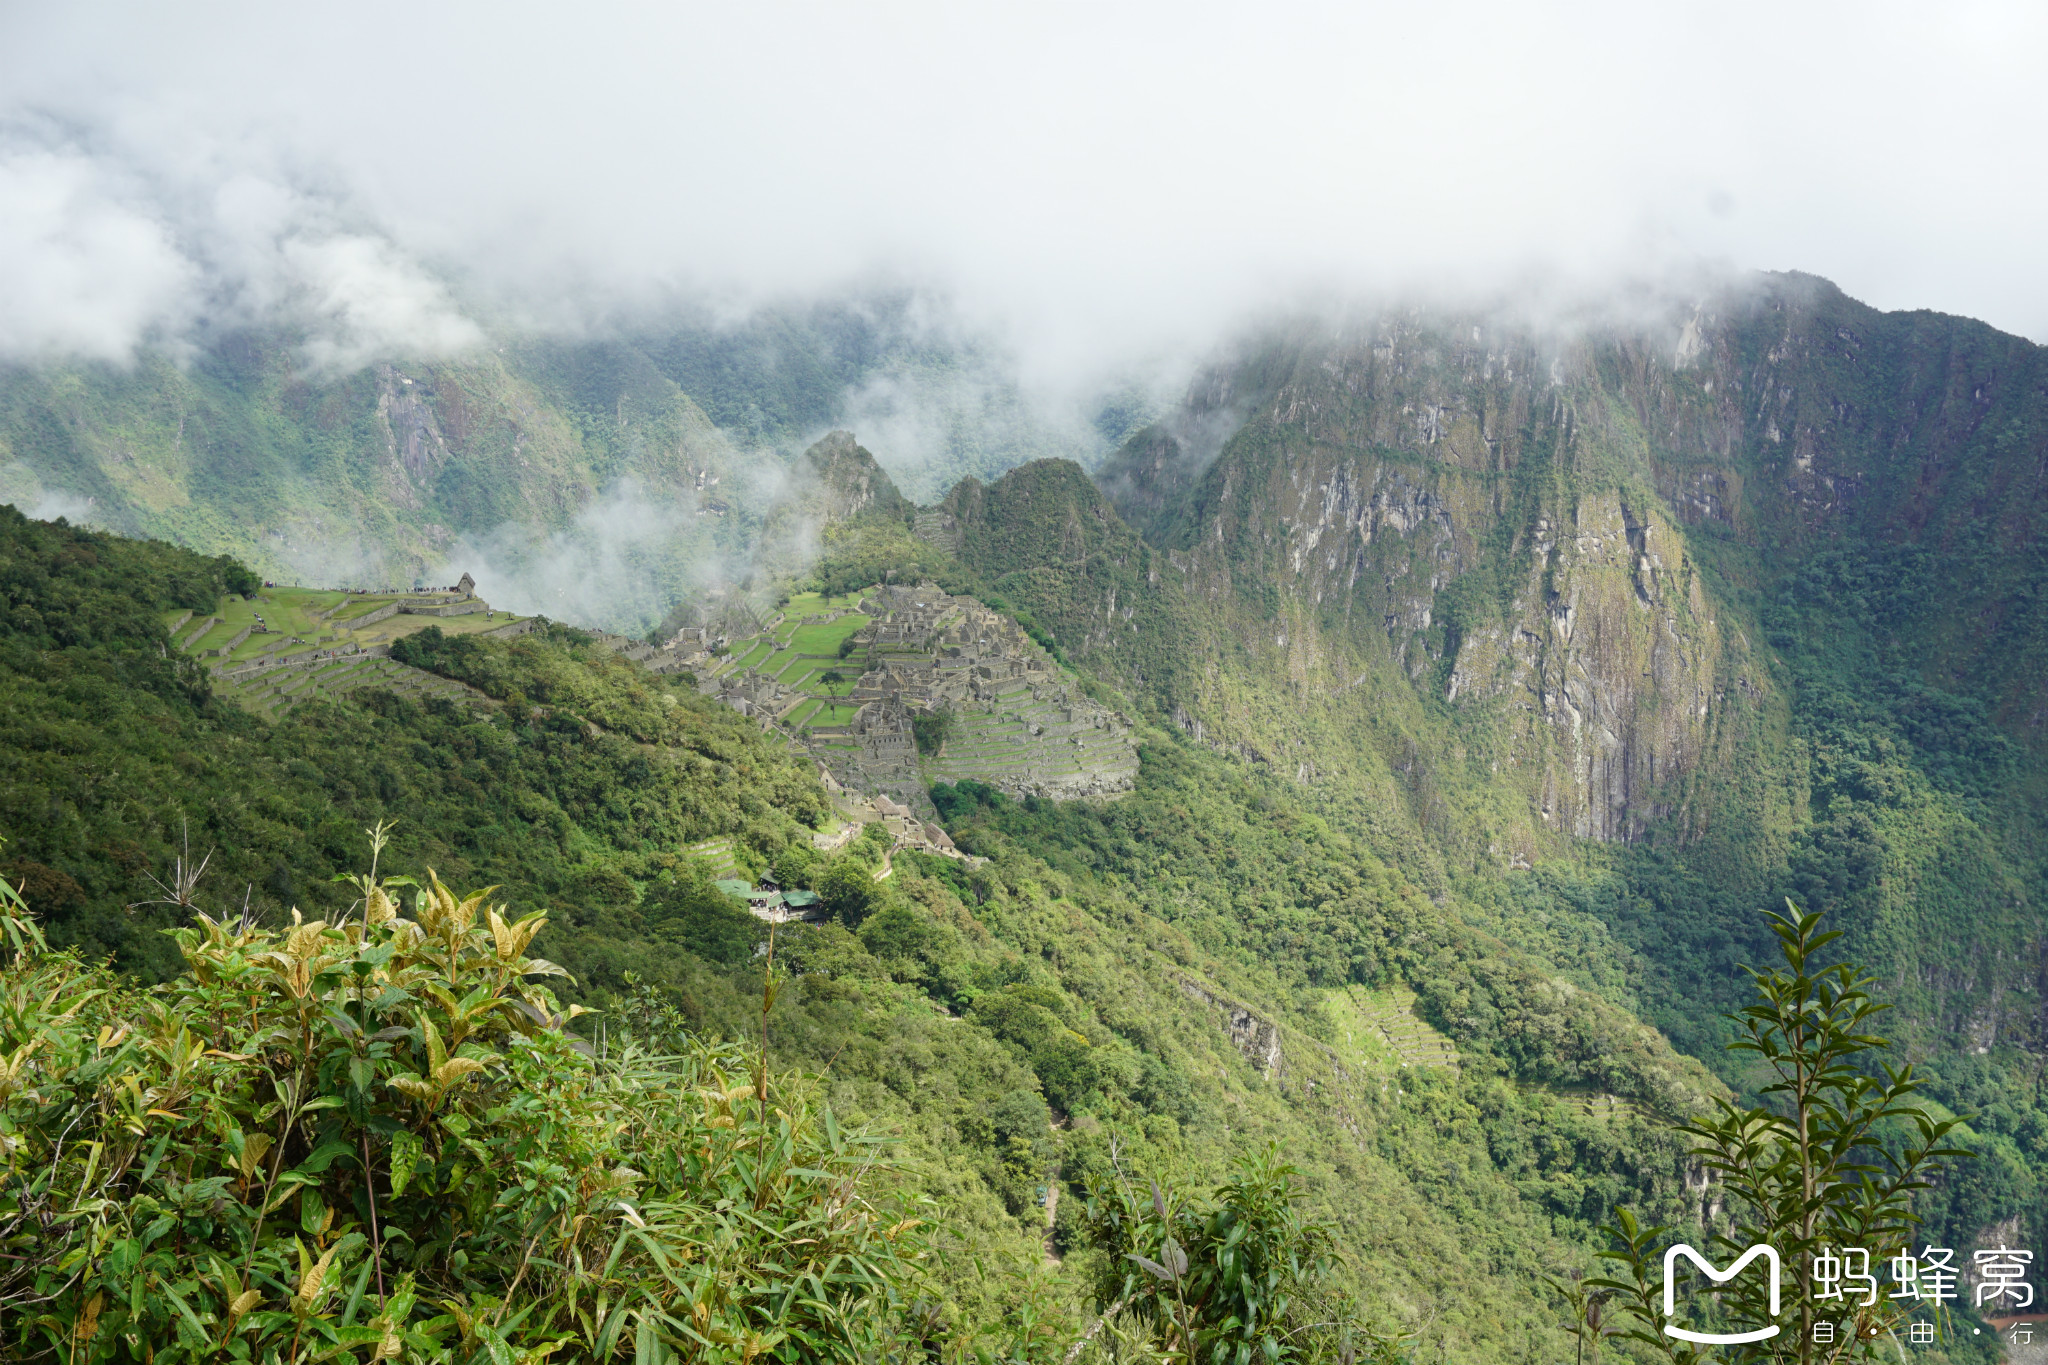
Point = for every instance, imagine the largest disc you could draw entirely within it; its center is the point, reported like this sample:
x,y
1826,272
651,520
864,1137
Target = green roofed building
x,y
771,904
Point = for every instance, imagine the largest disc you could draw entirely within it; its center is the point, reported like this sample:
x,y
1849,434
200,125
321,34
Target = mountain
x,y
601,480
1616,636
1022,1018
1485,681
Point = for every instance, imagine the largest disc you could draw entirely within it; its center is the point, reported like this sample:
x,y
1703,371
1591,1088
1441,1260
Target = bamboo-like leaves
x,y
312,1278
301,1095
1236,1277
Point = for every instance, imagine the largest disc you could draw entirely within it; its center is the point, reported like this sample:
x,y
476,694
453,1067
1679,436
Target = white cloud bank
x,y
1104,181
105,245
83,270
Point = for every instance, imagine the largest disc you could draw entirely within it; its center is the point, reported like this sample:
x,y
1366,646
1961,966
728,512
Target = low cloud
x,y
623,561
86,267
1103,185
931,426
367,301
21,488
620,565
106,248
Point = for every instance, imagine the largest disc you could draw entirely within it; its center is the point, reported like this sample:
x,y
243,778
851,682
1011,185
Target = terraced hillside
x,y
717,855
1385,1021
896,688
282,646
281,689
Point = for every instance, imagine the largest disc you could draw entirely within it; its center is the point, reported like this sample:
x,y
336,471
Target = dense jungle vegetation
x,y
1030,1025
1323,842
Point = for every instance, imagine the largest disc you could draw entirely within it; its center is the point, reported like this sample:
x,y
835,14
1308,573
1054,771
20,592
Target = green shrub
x,y
1230,1277
929,730
375,1138
847,890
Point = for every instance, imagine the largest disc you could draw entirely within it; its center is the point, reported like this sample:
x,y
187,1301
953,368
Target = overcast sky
x,y
1102,179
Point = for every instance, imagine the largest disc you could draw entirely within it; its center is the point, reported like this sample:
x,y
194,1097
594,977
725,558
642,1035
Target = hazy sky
x,y
1103,179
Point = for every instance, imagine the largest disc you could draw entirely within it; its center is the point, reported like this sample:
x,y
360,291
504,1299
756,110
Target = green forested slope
x,y
1615,641
1168,1022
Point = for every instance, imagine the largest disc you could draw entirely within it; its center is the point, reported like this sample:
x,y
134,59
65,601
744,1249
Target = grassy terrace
x,y
754,657
813,604
825,638
300,620
310,615
779,653
274,693
777,662
807,677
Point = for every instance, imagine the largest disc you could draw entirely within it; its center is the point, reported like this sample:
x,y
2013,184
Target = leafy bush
x,y
1238,1276
374,1138
929,729
687,910
847,890
1829,1156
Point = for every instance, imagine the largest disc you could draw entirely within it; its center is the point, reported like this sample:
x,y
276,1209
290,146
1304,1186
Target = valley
x,y
1388,753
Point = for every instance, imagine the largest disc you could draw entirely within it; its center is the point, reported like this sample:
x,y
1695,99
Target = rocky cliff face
x,y
1411,495
1611,662
847,482
1515,520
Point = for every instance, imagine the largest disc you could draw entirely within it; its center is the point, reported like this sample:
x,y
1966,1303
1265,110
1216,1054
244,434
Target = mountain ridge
x,y
1517,676
1487,586
532,460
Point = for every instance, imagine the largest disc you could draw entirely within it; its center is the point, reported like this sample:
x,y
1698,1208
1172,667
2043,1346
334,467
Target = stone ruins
x,y
1001,710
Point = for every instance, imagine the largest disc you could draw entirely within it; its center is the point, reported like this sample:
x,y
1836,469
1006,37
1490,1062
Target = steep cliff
x,y
1746,593
842,481
1555,528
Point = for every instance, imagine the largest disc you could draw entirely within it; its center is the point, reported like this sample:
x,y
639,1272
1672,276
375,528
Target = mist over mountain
x,y
601,478
227,217
1074,180
1092,603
